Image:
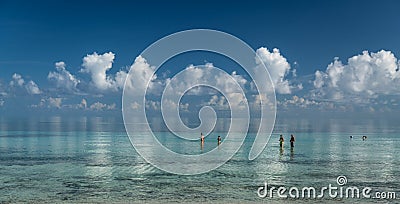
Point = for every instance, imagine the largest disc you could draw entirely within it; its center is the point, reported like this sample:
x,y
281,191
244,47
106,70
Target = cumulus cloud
x,y
155,105
320,78
140,72
55,102
299,102
63,78
278,68
17,80
83,104
31,87
184,107
168,105
49,102
98,106
193,75
218,102
97,66
2,90
259,100
367,75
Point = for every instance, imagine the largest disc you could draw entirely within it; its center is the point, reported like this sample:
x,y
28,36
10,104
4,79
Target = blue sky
x,y
309,35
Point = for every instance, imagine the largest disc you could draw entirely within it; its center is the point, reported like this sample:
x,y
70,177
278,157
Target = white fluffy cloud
x,y
97,66
63,78
320,78
17,80
278,68
83,104
156,105
218,102
192,75
49,102
98,106
55,102
299,102
2,90
140,72
31,87
367,75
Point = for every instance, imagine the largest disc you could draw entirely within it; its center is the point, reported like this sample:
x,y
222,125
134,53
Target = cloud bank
x,y
367,75
369,79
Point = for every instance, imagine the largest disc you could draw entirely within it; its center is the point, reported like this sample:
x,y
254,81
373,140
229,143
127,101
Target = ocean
x,y
91,160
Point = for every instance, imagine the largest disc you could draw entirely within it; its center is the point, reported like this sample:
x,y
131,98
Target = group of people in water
x,y
282,141
202,139
363,137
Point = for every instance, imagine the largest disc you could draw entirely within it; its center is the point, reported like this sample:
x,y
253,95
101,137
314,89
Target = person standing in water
x,y
281,141
219,140
201,141
292,140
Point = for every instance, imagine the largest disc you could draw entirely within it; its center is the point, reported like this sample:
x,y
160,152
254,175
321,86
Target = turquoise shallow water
x,y
101,166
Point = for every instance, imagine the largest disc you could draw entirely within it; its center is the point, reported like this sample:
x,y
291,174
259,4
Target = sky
x,y
71,57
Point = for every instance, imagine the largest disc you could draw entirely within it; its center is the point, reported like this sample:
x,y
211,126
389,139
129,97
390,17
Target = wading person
x,y
292,140
202,140
281,141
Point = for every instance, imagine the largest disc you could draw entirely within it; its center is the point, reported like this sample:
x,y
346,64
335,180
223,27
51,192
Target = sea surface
x,y
91,160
